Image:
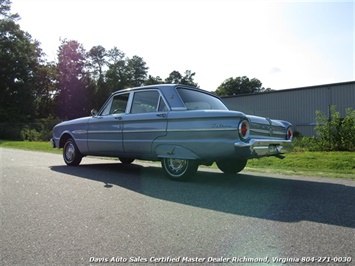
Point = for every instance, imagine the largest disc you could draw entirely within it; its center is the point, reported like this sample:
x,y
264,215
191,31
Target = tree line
x,y
32,88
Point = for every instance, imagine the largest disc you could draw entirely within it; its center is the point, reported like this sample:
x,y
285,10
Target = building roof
x,y
293,89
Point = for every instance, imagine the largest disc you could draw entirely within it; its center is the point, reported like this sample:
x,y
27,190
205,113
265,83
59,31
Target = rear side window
x,y
147,101
196,100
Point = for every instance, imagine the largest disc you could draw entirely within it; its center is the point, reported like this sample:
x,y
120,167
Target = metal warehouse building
x,y
298,105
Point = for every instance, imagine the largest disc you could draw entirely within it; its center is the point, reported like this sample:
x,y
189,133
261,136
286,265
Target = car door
x,y
105,129
146,121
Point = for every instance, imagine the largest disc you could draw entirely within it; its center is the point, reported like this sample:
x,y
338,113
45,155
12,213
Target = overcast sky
x,y
285,44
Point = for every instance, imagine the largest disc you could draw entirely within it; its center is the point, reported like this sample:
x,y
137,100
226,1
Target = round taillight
x,y
289,134
244,129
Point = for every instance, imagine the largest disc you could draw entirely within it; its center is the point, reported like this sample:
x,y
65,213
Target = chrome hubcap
x,y
177,165
70,152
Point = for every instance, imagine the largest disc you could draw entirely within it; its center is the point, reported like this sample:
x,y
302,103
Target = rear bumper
x,y
261,147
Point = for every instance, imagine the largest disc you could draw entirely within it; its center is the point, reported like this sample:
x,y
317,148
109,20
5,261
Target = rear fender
x,y
174,151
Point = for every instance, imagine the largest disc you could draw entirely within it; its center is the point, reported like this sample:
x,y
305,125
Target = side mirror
x,y
93,112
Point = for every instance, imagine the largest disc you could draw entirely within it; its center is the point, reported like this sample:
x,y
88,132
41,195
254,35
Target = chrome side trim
x,y
202,129
104,131
159,130
143,130
178,109
79,131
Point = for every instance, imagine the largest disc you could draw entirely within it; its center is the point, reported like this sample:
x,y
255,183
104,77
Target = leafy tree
x,y
97,61
73,84
45,83
188,79
116,75
176,78
5,7
124,72
240,85
137,71
20,59
153,80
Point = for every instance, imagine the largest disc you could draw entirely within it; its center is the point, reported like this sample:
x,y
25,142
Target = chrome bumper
x,y
53,143
260,147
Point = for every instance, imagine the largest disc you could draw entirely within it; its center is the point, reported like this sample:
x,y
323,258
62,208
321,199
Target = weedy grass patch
x,y
41,146
325,164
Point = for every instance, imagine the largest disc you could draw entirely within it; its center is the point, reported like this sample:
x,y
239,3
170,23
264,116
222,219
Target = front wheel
x,y
179,169
71,153
231,166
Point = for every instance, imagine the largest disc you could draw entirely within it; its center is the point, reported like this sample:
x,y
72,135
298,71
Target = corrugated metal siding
x,y
343,96
297,106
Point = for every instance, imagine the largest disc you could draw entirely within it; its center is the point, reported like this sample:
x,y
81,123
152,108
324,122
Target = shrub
x,y
348,129
335,133
38,130
29,134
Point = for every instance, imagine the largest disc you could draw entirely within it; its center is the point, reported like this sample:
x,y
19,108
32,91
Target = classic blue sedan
x,y
181,126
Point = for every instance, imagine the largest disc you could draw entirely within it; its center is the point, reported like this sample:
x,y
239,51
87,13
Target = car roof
x,y
154,86
166,86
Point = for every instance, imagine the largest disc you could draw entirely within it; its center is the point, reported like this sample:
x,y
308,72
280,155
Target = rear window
x,y
196,100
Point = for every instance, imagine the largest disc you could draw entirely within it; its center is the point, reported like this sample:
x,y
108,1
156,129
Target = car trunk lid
x,y
261,127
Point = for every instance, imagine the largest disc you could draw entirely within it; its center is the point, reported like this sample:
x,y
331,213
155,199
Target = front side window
x,y
196,100
147,101
117,105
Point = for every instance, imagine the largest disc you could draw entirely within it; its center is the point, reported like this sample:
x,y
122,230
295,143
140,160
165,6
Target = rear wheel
x,y
231,166
71,153
179,169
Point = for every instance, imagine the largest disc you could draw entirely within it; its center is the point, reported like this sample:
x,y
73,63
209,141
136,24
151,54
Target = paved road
x,y
52,214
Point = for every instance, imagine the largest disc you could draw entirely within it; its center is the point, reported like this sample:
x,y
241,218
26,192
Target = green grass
x,y
29,146
325,164
322,164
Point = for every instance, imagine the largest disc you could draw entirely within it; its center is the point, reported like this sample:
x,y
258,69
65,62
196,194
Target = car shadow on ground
x,y
264,197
